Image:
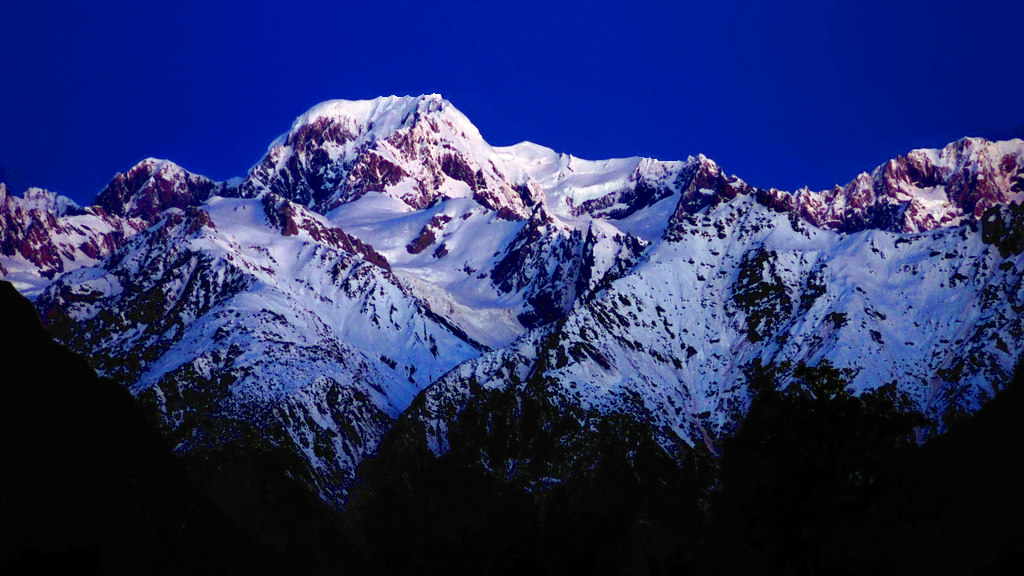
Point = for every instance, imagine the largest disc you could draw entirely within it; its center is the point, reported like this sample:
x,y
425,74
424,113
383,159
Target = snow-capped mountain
x,y
418,150
43,235
152,186
923,190
382,252
931,319
256,314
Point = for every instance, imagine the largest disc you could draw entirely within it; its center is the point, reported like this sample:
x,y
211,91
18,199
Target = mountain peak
x,y
367,109
152,186
40,199
343,120
922,190
415,148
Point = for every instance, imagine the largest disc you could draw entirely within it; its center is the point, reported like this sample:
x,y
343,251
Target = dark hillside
x,y
89,487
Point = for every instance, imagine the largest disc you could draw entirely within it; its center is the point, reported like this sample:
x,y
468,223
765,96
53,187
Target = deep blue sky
x,y
790,94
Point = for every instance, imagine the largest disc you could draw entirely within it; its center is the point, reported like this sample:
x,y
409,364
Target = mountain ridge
x,y
383,256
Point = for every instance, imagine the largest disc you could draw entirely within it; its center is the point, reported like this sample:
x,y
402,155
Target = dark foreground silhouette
x,y
87,486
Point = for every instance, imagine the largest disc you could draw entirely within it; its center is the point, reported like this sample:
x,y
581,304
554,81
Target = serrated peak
x,y
152,186
344,120
39,199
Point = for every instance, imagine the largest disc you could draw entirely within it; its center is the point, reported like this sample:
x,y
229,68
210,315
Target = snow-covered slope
x,y
257,315
932,318
382,251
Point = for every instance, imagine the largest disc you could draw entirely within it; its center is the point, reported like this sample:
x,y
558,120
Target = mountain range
x,y
384,288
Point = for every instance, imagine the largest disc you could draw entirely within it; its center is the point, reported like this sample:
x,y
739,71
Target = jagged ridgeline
x,y
554,332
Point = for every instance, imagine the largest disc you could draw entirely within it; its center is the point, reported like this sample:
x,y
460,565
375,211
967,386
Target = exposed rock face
x,y
428,235
291,220
42,235
924,190
152,186
417,149
650,182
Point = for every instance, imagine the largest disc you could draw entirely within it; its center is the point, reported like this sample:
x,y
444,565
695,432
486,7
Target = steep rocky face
x,y
543,264
43,235
702,184
924,190
291,220
417,149
552,266
152,186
